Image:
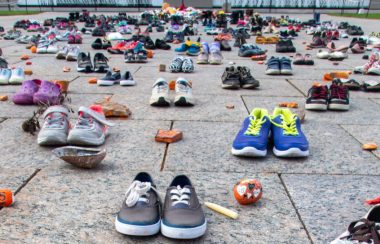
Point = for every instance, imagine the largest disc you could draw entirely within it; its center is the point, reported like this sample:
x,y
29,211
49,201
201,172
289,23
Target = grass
x,y
18,12
361,16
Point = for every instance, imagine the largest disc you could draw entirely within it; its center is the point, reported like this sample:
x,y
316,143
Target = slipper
x,y
308,60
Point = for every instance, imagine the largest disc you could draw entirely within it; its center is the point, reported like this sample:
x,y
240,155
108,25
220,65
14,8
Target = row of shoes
x,y
38,92
283,128
116,77
238,77
12,76
366,85
181,64
143,214
85,64
183,93
89,130
68,53
279,66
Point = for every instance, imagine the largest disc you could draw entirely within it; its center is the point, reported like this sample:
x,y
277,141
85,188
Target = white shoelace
x,y
180,195
138,192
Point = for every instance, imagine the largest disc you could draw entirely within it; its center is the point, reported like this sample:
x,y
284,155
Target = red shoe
x,y
335,35
298,28
71,39
130,45
78,39
290,27
118,46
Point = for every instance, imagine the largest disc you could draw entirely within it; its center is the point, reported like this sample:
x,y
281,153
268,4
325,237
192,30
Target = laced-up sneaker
x,y
215,54
73,54
252,139
56,127
317,98
184,93
127,79
176,65
231,78
160,93
62,52
339,98
289,140
90,128
140,212
17,76
183,216
203,56
100,63
246,79
84,63
109,79
187,65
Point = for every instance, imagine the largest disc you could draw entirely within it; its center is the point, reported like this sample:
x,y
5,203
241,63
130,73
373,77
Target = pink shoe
x,y
25,95
49,93
78,39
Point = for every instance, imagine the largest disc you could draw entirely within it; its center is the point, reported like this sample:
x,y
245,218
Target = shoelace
x,y
180,195
84,122
254,127
182,86
288,125
318,93
138,192
54,121
339,92
367,231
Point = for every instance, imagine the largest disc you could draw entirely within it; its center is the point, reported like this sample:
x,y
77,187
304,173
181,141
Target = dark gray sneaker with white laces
x,y
231,78
101,63
84,63
246,79
182,217
140,212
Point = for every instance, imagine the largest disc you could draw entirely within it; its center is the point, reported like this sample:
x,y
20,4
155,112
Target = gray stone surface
x,y
365,134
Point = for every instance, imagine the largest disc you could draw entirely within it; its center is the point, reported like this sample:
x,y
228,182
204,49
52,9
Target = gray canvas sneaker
x,y
140,212
55,128
182,216
90,128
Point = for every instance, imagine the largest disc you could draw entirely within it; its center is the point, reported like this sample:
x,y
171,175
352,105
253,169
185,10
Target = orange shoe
x,y
336,74
272,40
261,40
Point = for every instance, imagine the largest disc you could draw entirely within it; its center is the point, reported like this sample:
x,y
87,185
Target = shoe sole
x,y
70,58
272,72
127,82
87,69
183,101
105,82
81,141
202,62
16,81
336,106
316,106
51,141
183,233
250,86
291,153
137,230
286,72
224,86
249,152
160,102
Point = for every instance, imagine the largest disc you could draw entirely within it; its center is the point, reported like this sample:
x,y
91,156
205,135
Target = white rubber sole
x,y
183,233
127,82
290,153
334,106
51,141
249,152
15,81
286,72
272,72
316,106
81,141
137,230
159,101
105,82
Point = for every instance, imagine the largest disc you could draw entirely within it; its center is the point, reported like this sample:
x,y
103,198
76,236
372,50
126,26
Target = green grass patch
x,y
17,12
361,16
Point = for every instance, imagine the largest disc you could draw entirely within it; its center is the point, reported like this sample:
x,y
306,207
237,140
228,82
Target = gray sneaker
x,y
182,216
55,128
140,211
73,53
91,127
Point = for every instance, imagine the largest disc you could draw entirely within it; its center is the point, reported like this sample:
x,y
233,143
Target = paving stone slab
x,y
93,221
329,203
208,145
13,178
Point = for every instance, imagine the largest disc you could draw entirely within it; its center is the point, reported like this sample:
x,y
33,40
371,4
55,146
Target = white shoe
x,y
337,56
62,52
323,54
184,93
73,54
17,76
5,74
160,93
42,47
52,48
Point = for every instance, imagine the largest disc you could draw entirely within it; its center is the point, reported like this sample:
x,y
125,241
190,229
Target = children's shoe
x,y
100,63
215,54
286,66
176,65
17,76
246,79
252,139
204,54
84,63
187,65
62,52
274,66
231,78
72,54
140,212
5,75
194,49
339,98
317,98
182,49
26,93
184,93
289,140
127,79
56,127
49,94
160,93
109,79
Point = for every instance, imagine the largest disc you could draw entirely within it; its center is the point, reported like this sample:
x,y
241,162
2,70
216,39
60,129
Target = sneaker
x,y
160,44
109,79
160,93
56,127
339,98
274,66
374,69
286,66
62,52
215,54
73,54
248,50
42,47
100,63
84,63
97,44
204,54
365,230
5,75
252,139
17,76
246,79
127,79
182,49
231,78
90,128
182,214
52,48
194,49
176,65
140,212
149,44
187,65
289,140
317,97
184,93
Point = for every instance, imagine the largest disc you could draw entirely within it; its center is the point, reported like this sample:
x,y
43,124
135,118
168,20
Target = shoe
x,y
140,212
26,93
97,44
187,65
56,127
337,56
90,128
308,60
182,49
371,61
339,98
17,76
49,93
194,49
289,140
231,78
239,40
42,47
176,65
84,63
274,66
73,54
215,56
149,44
248,50
101,63
286,66
62,52
127,79
317,98
204,54
246,79
182,214
160,44
365,230
184,94
160,93
109,79
252,139
225,45
285,46
52,48
5,75
373,70
323,54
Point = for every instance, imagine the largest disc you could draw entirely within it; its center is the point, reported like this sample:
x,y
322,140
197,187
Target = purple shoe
x,y
49,93
25,95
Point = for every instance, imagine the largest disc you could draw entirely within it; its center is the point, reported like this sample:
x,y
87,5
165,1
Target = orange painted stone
x,y
168,136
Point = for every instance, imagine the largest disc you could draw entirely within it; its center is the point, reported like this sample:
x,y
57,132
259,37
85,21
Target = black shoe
x,y
317,97
160,28
97,44
84,63
339,98
246,79
100,63
149,44
106,44
231,78
225,45
240,40
160,44
109,79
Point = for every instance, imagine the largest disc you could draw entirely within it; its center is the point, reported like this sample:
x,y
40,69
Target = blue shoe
x,y
252,139
182,49
194,49
289,140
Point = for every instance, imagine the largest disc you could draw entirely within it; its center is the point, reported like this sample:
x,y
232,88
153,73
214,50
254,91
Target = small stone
x,y
230,106
231,63
28,72
28,63
172,85
113,109
162,67
3,98
369,146
92,81
168,136
66,69
24,57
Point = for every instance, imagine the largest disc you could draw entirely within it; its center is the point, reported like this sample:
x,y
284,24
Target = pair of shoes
x,y
181,64
234,78
332,56
279,66
267,40
354,30
319,97
142,214
303,60
89,130
47,47
284,128
249,50
12,76
68,53
99,44
74,39
85,63
210,54
190,48
38,92
285,46
372,67
183,90
115,77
